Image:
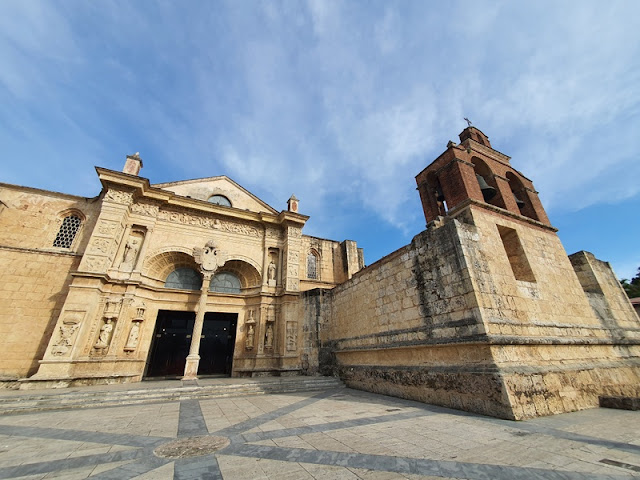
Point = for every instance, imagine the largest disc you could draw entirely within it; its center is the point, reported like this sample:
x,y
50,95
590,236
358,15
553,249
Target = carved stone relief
x,y
148,209
118,196
292,335
101,245
67,333
214,223
210,258
107,228
95,264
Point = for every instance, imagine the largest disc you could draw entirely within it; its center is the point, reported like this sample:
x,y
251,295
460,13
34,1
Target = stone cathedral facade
x,y
483,311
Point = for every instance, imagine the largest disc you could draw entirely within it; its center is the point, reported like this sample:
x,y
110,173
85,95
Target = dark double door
x,y
172,340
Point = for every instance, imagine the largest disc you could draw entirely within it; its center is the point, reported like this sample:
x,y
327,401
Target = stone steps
x,y
130,395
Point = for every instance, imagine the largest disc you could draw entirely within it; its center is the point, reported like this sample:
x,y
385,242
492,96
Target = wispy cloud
x,y
341,103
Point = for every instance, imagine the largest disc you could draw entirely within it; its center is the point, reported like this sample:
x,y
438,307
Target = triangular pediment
x,y
205,188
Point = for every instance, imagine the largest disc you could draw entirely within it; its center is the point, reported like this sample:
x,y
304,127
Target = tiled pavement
x,y
335,434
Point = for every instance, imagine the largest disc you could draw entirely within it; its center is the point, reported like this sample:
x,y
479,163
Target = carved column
x,y
210,258
193,359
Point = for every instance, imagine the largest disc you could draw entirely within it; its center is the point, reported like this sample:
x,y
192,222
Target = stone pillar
x,y
193,359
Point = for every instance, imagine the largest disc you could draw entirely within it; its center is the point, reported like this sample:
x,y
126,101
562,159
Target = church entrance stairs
x,y
17,401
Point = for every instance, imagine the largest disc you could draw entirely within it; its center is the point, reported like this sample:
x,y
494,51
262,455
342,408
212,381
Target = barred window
x,y
67,232
312,266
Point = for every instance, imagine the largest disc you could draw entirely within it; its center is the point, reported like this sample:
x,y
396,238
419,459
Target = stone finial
x,y
133,164
292,204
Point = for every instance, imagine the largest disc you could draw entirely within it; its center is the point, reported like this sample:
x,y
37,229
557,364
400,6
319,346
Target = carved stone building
x,y
182,278
483,311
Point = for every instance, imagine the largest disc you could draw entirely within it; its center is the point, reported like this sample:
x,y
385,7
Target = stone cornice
x,y
143,189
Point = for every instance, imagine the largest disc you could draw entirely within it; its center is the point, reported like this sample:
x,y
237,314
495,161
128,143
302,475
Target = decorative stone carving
x,y
272,271
101,245
250,337
214,223
107,228
66,335
210,258
118,196
134,335
131,250
268,338
105,334
136,324
147,209
95,264
292,336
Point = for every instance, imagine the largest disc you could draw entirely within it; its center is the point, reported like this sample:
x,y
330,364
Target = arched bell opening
x,y
487,183
521,196
435,190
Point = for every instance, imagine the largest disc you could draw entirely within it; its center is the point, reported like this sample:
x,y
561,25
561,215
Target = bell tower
x,y
473,173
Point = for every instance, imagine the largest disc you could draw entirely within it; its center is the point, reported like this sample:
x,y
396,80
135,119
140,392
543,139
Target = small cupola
x,y
476,135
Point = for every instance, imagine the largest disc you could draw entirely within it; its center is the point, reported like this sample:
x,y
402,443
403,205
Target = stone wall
x,y
482,312
36,274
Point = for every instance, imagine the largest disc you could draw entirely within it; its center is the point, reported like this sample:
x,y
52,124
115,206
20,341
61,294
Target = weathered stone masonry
x,y
483,311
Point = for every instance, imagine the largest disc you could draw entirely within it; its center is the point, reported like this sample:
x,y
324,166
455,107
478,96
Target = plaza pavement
x,y
333,434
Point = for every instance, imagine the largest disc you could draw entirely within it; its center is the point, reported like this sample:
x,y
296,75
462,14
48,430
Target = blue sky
x,y
341,103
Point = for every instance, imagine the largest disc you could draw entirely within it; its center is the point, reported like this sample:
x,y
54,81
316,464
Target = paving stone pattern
x,y
335,434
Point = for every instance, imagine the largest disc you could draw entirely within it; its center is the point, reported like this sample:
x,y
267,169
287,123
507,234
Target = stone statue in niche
x,y
250,337
271,274
134,334
105,334
268,342
131,250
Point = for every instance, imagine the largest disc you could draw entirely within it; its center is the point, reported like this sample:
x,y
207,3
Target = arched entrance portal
x,y
172,339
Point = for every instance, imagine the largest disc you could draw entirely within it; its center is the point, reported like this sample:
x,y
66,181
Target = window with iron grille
x,y
67,232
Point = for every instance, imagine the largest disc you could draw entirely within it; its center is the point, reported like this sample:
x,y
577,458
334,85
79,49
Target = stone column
x,y
210,258
193,359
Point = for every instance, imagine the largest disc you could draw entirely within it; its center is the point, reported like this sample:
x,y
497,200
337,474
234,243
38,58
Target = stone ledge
x,y
620,403
65,382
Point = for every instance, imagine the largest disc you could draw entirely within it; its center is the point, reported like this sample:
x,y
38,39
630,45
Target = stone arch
x,y
483,170
159,265
70,222
521,195
313,264
435,189
248,275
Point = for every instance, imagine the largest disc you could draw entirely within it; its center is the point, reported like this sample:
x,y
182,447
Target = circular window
x,y
220,200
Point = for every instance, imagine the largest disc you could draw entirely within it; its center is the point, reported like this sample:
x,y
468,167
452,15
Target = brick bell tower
x,y
473,173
